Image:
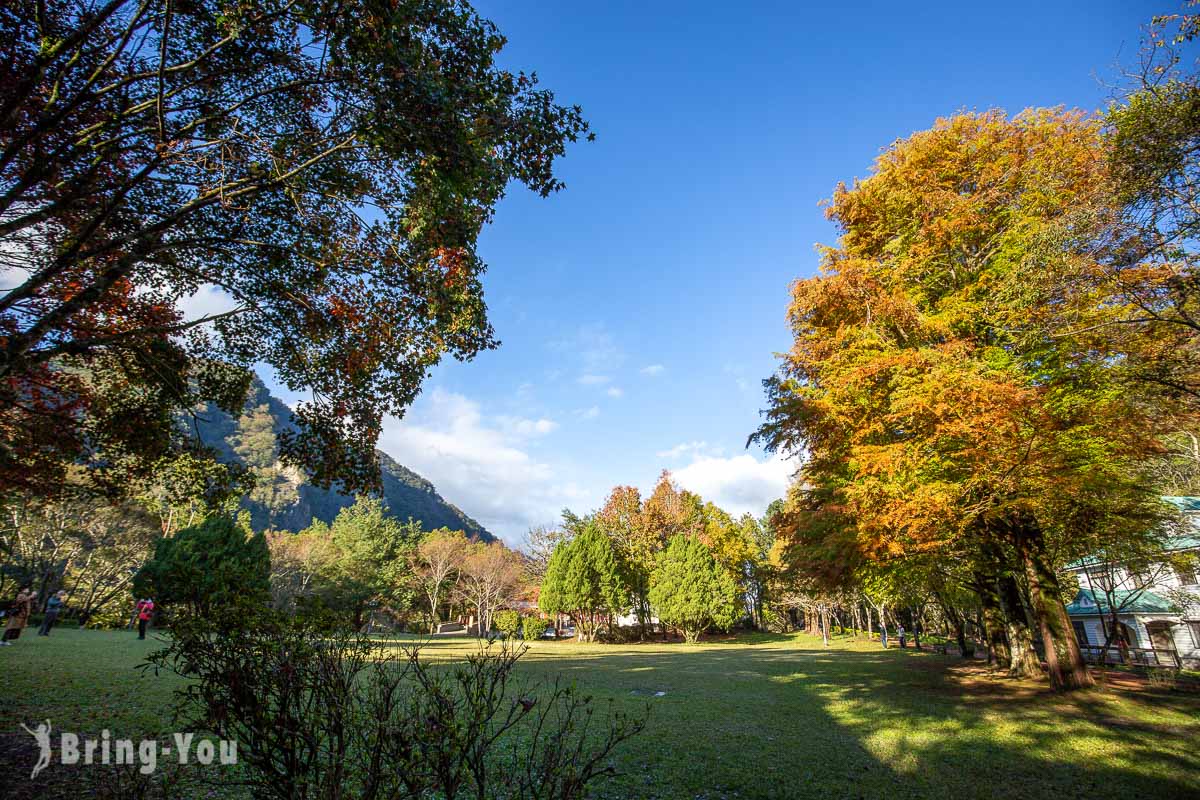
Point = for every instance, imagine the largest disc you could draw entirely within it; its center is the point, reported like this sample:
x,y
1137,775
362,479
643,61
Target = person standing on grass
x,y
900,635
18,615
53,608
145,610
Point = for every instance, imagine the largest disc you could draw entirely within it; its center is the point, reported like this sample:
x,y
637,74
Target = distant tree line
x,y
670,557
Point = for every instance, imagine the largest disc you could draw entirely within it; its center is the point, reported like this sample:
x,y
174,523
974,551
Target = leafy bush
x,y
336,717
108,617
532,627
507,622
622,634
219,562
1162,678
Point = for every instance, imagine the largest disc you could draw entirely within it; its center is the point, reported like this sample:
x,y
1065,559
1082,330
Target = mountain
x,y
284,499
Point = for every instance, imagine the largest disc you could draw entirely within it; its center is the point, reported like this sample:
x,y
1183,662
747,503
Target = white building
x,y
1152,625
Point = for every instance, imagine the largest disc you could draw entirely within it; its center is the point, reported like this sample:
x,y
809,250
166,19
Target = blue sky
x,y
640,308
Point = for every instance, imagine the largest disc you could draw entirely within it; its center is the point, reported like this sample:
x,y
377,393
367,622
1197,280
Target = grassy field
x,y
755,716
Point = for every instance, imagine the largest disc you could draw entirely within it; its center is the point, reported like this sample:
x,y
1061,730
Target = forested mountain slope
x,y
284,499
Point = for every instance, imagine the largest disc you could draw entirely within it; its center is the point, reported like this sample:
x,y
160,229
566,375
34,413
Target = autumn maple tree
x,y
941,412
326,167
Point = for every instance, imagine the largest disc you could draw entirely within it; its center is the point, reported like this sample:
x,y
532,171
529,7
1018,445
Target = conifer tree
x,y
690,591
584,579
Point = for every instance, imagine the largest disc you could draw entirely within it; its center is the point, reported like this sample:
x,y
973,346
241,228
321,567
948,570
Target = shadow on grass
x,y
759,716
802,721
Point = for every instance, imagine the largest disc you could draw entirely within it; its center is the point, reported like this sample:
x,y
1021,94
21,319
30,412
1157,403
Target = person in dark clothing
x,y
53,608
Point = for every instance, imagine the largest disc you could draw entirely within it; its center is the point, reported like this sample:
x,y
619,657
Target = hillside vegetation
x,y
283,499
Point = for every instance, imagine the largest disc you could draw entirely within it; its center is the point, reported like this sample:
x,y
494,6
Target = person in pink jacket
x,y
145,612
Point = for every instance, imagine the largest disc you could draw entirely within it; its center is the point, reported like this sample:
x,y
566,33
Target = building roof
x,y
1087,603
1184,503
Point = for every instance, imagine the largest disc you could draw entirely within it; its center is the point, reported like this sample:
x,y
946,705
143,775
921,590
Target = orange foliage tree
x,y
940,413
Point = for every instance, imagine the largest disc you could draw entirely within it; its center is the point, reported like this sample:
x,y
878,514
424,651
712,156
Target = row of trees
x,y
993,371
367,563
88,547
670,555
93,547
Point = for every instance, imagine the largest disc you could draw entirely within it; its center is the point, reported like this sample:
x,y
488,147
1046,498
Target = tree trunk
x,y
433,615
1064,660
965,650
1025,661
641,607
758,606
1110,632
993,619
952,619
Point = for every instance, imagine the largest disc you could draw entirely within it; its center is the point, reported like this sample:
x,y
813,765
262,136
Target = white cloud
x,y
652,370
740,484
696,448
595,348
528,427
592,352
615,391
480,464
588,413
206,302
744,384
11,274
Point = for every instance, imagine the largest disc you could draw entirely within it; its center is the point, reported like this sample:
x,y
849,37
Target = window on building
x,y
1081,632
1159,633
1194,627
1101,578
1124,634
1186,574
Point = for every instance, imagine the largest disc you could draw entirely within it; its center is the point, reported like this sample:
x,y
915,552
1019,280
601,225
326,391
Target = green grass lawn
x,y
755,716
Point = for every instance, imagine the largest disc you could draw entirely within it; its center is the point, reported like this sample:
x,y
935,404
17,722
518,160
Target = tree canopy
x,y
217,563
366,560
327,166
940,410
